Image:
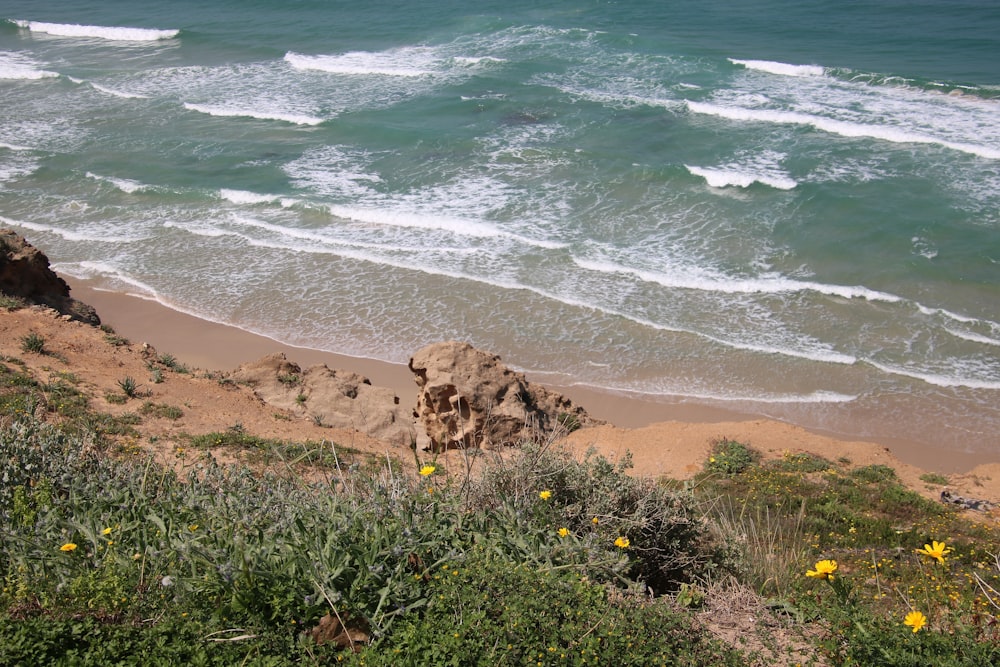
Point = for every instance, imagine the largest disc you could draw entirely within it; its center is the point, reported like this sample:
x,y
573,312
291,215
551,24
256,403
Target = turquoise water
x,y
779,207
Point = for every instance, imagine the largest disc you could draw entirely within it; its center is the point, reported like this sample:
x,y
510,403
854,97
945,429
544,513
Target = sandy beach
x,y
664,438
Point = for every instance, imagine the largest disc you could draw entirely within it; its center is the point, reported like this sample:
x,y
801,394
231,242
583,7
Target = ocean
x,y
783,208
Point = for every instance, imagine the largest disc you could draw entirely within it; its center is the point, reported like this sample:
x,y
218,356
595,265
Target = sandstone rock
x,y
341,399
468,398
25,274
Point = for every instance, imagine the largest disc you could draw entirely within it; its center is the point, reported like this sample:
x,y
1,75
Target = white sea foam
x,y
721,178
126,185
16,166
334,171
18,66
319,243
410,219
470,60
200,229
246,198
70,235
409,62
99,32
305,241
840,127
936,379
88,270
116,93
819,396
14,147
965,319
973,337
394,215
261,114
811,350
783,69
704,280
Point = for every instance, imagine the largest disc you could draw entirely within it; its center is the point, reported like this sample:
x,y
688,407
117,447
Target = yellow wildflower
x,y
563,532
545,495
824,569
69,546
106,531
193,527
622,543
936,550
595,521
915,620
427,470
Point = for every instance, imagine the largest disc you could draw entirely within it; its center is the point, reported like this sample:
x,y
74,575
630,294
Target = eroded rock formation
x,y
341,399
25,274
468,398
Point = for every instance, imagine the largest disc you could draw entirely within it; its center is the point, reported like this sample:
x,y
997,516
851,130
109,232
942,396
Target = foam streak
x,y
833,126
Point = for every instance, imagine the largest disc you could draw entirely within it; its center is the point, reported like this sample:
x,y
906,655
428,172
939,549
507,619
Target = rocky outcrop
x,y
468,398
25,274
340,399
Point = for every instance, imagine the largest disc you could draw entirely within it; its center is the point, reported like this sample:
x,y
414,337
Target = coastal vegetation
x,y
316,553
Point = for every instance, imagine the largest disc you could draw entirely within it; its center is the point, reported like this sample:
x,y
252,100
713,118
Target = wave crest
x,y
721,178
260,114
834,126
16,66
783,69
110,33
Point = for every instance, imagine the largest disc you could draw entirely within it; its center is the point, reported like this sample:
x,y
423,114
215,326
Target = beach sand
x,y
671,439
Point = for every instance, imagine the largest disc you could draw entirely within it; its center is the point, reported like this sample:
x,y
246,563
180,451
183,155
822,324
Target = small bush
x,y
33,343
934,478
730,457
599,504
11,303
113,338
875,473
161,411
170,361
129,386
801,462
568,421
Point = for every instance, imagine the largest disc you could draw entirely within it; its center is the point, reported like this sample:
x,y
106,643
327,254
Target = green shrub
x,y
486,611
599,503
33,343
729,457
113,338
801,462
170,361
161,411
934,478
11,303
129,386
874,473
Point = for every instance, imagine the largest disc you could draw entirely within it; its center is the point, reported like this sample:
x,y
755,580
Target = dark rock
x,y
25,274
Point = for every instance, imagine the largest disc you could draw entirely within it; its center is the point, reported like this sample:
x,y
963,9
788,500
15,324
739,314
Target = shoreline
x,y
213,346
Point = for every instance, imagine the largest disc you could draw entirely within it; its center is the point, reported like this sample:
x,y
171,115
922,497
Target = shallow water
x,y
777,208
